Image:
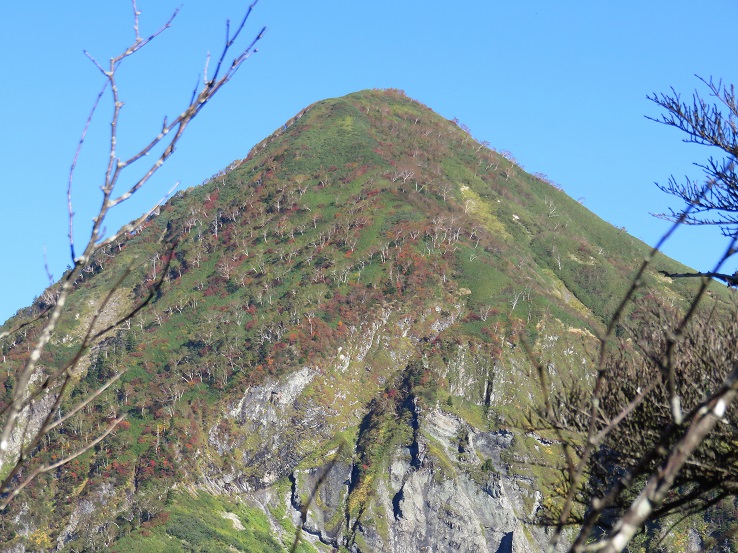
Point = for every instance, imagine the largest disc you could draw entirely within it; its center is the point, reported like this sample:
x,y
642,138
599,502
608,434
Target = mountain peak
x,y
333,329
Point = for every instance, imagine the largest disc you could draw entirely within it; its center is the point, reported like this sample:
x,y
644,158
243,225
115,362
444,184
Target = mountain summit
x,y
332,345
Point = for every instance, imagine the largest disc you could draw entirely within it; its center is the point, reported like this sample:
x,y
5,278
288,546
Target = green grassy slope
x,y
359,206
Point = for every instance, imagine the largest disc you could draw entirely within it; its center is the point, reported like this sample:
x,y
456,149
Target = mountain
x,y
335,343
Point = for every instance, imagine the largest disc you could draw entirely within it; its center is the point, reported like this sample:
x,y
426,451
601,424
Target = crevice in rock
x,y
363,429
398,497
410,403
488,388
506,543
294,499
352,526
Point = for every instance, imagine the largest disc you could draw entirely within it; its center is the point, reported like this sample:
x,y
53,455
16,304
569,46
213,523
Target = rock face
x,y
319,498
445,487
408,475
422,502
273,417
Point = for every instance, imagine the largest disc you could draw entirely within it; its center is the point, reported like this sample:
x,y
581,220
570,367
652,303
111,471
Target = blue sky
x,y
562,85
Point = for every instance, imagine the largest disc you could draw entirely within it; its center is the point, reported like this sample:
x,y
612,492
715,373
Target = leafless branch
x,y
47,468
24,395
666,453
713,125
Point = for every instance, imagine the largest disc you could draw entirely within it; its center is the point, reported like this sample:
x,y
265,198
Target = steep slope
x,y
334,344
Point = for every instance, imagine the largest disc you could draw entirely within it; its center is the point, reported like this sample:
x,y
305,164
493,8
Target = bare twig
x,y
23,397
713,202
47,468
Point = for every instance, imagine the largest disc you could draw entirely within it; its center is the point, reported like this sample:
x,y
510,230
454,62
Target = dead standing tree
x,y
37,394
677,464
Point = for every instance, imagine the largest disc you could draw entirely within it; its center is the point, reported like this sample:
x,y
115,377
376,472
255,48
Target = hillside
x,y
335,342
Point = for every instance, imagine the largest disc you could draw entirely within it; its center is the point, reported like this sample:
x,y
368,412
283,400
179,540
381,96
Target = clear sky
x,y
562,85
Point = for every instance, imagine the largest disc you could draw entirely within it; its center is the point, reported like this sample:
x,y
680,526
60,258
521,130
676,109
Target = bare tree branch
x,y
713,125
631,419
25,396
